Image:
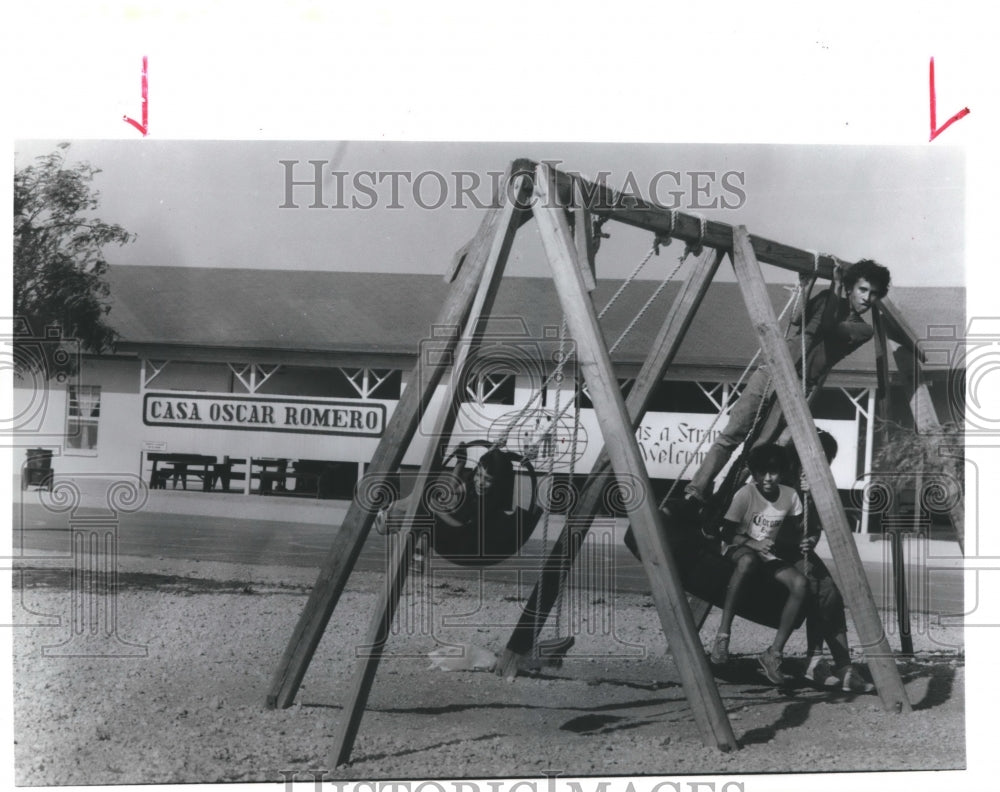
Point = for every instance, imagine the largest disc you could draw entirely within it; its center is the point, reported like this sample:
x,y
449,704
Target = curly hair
x,y
873,272
767,457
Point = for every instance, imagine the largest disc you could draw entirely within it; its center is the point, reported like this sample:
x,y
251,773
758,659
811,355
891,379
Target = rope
x,y
805,394
564,568
726,404
560,365
632,276
558,412
648,304
697,247
505,435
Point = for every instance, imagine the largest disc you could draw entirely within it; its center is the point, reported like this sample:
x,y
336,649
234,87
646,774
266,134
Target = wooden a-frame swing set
x,y
556,200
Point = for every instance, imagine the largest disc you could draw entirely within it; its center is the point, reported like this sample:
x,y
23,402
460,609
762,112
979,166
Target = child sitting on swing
x,y
470,508
750,526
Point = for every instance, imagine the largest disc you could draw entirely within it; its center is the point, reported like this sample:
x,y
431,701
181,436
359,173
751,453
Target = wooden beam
x,y
400,558
385,611
349,539
459,258
898,329
856,590
559,560
583,237
609,407
632,210
883,389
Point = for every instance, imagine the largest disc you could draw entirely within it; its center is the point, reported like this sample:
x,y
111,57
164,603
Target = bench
x,y
178,467
298,477
225,475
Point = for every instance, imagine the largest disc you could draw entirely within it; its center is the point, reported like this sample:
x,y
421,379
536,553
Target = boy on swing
x,y
750,526
833,327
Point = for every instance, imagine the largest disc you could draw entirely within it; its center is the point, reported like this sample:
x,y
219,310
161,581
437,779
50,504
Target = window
x,y
370,383
83,416
834,404
583,392
489,388
676,396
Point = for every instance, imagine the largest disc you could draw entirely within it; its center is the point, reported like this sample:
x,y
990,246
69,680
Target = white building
x,y
278,372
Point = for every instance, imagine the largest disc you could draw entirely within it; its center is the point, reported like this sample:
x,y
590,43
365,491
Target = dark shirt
x,y
832,332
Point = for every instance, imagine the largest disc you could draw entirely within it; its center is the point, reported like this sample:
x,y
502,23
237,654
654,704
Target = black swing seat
x,y
705,572
484,542
487,536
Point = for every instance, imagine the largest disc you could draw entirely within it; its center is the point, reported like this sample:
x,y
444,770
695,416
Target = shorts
x,y
771,566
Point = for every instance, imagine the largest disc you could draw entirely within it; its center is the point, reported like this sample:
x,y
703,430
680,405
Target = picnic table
x,y
177,468
289,476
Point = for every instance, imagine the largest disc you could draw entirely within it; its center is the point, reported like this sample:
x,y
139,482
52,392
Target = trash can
x,y
37,469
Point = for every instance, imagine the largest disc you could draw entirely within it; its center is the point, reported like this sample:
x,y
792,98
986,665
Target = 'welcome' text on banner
x,y
261,413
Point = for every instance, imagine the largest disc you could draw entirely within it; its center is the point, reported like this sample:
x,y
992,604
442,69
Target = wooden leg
x,y
563,554
699,610
489,250
370,653
857,593
609,407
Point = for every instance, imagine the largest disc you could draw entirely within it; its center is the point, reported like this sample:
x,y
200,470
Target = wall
x,y
668,441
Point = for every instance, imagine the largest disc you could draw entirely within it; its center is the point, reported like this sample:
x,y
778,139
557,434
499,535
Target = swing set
x,y
571,229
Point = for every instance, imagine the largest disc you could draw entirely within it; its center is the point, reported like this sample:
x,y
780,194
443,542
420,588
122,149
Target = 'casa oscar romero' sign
x,y
263,413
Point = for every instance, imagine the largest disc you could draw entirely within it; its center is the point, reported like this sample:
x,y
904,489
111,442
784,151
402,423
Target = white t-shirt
x,y
758,517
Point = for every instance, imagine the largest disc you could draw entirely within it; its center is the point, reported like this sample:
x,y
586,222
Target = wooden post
x,y
883,386
595,363
856,590
583,238
385,611
400,558
892,526
349,539
559,560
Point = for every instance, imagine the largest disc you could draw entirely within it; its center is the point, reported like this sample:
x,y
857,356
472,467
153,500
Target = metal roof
x,y
378,314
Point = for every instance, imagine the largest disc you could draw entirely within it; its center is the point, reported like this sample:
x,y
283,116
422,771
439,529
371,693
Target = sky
x,y
400,206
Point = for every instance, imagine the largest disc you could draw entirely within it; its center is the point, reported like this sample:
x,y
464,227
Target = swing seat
x,y
491,541
705,572
492,537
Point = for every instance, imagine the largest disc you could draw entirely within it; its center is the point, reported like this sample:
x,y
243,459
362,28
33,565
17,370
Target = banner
x,y
264,414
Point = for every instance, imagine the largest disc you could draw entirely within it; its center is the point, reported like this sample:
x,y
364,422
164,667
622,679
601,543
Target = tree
x,y
932,464
60,291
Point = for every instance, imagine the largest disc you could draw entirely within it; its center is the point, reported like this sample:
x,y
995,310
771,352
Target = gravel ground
x,y
181,698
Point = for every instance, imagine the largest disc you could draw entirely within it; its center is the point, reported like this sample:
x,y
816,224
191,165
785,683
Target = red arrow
x,y
935,130
144,126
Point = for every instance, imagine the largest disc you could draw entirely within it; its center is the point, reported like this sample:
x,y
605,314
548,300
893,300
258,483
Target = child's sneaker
x,y
819,672
771,663
720,650
852,682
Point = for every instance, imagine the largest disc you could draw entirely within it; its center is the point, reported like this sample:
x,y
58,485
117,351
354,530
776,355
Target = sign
x,y
263,414
673,445
154,445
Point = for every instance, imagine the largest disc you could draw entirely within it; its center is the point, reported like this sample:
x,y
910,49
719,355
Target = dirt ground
x,y
176,693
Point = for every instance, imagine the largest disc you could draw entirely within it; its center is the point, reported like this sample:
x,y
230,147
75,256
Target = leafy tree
x,y
910,454
932,461
60,289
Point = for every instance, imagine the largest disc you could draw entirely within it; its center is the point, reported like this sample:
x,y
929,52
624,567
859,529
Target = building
x,y
290,376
